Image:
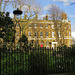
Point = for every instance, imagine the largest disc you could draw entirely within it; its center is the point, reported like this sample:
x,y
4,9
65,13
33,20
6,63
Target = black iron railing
x,y
36,61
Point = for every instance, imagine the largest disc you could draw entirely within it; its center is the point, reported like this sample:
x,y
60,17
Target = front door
x,y
54,45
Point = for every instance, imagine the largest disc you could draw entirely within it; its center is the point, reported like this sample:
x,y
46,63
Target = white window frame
x,y
52,26
17,32
36,33
59,34
46,26
35,43
17,37
69,42
47,43
17,26
52,34
29,25
69,26
41,34
29,33
41,26
35,25
59,26
46,34
69,34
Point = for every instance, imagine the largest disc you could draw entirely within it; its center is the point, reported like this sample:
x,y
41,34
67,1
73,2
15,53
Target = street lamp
x,y
17,13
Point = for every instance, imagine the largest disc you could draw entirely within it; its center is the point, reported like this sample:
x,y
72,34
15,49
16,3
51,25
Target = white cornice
x,y
42,22
46,38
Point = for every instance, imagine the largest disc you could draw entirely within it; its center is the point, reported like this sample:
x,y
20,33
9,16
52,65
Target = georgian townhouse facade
x,y
43,32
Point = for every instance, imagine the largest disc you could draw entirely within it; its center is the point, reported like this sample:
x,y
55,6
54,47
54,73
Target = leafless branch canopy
x,y
55,12
27,6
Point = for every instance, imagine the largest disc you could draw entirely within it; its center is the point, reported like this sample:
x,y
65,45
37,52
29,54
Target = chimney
x,y
36,16
46,16
25,16
64,15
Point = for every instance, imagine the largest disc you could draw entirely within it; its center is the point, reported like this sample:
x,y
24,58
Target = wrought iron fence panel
x,y
36,61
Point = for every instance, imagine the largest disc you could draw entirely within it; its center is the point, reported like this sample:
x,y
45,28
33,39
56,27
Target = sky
x,y
65,5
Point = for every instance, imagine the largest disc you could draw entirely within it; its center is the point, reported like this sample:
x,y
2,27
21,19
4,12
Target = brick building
x,y
43,32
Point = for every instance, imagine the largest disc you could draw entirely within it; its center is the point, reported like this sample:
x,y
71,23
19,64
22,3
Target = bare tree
x,y
27,6
1,1
30,9
56,17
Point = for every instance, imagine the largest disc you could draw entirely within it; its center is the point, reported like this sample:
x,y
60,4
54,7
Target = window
x,y
52,34
35,25
46,34
59,34
35,43
69,42
58,26
69,26
69,34
17,32
47,43
17,37
17,26
29,33
35,33
52,26
46,25
29,25
41,34
41,26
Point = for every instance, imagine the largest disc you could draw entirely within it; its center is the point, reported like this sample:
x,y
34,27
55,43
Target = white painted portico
x,y
54,44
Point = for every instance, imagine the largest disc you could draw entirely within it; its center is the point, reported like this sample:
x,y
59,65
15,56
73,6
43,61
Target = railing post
x,y
0,60
28,60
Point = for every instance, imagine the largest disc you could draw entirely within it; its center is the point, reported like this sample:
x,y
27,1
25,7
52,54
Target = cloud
x,y
49,6
62,0
73,34
73,31
11,15
41,16
66,2
71,15
73,28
